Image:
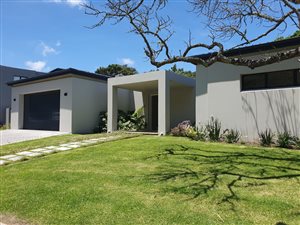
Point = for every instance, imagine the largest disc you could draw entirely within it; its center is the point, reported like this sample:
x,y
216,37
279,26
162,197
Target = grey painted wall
x,y
6,75
218,94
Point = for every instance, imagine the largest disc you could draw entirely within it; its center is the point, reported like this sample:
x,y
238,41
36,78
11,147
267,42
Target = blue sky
x,y
44,35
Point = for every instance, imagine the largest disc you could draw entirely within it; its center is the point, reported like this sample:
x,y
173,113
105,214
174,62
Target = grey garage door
x,y
41,111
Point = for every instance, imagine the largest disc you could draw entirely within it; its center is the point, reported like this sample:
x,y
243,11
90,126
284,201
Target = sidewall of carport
x,y
182,105
89,99
63,85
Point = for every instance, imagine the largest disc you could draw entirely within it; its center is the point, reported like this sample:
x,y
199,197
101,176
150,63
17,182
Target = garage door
x,y
41,111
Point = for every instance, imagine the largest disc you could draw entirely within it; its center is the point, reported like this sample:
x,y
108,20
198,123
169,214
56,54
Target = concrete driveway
x,y
13,136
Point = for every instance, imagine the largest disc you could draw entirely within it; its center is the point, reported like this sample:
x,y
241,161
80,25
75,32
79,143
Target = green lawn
x,y
54,140
155,180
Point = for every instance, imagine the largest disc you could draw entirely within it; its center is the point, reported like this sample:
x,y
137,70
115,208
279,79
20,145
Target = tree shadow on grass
x,y
196,171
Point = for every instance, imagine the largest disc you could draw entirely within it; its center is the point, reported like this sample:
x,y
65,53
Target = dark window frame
x,y
267,77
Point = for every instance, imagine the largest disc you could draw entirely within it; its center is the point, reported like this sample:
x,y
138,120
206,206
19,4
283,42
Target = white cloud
x,y
47,49
58,43
70,2
75,2
127,61
37,65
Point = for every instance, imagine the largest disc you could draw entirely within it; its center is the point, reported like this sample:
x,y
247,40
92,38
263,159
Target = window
x,y
255,81
278,79
281,79
16,77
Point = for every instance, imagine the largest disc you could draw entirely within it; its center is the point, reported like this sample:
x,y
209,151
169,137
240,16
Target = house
x,y
66,100
8,74
251,100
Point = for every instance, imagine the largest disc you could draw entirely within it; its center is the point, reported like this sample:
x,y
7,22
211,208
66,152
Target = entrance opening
x,y
41,111
154,112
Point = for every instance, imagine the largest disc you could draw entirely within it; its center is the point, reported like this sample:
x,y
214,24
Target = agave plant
x,y
213,128
266,137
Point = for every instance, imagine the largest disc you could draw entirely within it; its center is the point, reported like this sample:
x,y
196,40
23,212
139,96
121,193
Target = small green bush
x,y
297,142
285,140
4,127
213,128
197,133
231,136
130,121
266,137
102,123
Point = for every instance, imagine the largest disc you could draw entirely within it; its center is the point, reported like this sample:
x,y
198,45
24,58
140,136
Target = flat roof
x,y
60,72
255,48
143,81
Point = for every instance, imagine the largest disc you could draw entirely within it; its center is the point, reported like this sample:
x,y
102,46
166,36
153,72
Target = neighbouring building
x,y
8,74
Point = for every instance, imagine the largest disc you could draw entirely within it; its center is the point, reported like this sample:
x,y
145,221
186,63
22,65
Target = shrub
x,y
197,133
285,140
102,123
213,128
232,136
4,126
297,142
266,137
181,128
131,121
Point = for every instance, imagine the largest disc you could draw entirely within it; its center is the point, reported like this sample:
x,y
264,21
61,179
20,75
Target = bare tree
x,y
225,19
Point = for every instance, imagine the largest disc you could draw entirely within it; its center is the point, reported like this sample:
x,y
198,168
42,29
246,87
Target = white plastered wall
x,y
79,109
182,105
218,94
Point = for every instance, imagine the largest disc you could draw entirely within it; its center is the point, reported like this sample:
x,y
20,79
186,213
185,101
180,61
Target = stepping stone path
x,y
53,149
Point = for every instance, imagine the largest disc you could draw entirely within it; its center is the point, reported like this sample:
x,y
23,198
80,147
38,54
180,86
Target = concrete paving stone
x,y
2,162
37,154
90,141
25,153
63,148
64,145
16,158
51,147
73,146
48,151
7,156
85,143
31,154
38,150
74,143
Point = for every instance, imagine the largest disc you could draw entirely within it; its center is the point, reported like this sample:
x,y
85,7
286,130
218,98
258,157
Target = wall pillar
x,y
163,106
7,117
112,108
